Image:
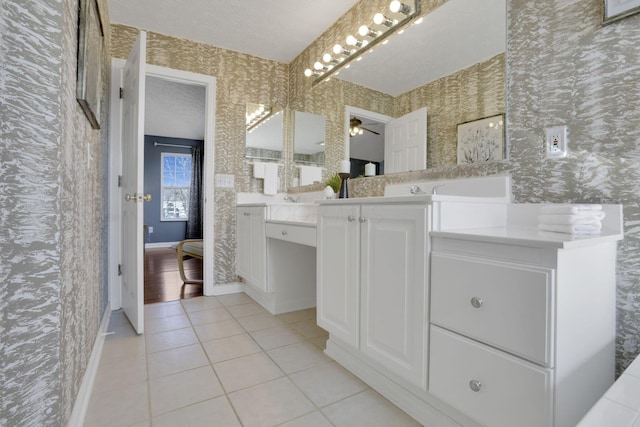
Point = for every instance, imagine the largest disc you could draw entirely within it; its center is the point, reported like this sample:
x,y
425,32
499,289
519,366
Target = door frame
x,y
359,112
115,169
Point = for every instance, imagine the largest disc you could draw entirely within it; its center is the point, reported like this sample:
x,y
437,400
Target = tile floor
x,y
225,361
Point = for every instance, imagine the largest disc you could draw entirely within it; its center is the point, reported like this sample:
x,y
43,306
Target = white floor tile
x,y
367,409
608,413
183,389
276,337
200,303
234,299
209,316
214,412
170,339
163,309
626,390
248,309
246,371
230,348
297,357
176,360
258,322
327,384
222,329
128,406
113,377
270,403
309,329
297,316
314,419
169,323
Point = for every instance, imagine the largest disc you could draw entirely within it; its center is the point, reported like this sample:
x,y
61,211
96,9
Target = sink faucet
x,y
434,191
292,199
414,189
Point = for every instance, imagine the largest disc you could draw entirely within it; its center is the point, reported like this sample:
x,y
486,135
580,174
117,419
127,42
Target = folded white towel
x,y
259,170
270,186
572,228
568,209
587,217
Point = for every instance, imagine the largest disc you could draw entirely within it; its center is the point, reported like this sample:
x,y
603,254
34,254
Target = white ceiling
x,y
273,29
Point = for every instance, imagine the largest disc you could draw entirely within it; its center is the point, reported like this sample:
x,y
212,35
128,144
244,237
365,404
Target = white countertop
x,y
529,236
418,199
620,405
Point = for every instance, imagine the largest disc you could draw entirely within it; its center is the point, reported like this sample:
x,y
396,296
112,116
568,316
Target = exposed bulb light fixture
x,y
383,27
258,114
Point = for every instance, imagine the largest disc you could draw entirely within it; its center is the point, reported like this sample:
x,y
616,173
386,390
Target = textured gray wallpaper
x,y
53,227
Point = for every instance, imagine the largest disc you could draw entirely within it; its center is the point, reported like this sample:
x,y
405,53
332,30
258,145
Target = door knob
x,y
129,197
147,197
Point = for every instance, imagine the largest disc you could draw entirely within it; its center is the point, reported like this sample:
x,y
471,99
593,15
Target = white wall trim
x,y
160,244
86,387
359,112
228,288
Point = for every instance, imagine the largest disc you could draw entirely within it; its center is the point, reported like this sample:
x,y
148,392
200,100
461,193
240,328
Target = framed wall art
x,y
481,140
90,47
613,10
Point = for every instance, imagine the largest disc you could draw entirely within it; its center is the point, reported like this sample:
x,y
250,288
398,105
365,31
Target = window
x,y
176,183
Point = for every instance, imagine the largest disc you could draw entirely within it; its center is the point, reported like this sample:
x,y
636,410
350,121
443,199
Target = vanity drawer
x,y
509,306
488,385
302,234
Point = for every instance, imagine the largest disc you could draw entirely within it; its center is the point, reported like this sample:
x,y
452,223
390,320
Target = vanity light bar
x,y
259,116
382,27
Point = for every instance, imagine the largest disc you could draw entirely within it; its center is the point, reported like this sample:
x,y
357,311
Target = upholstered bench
x,y
188,248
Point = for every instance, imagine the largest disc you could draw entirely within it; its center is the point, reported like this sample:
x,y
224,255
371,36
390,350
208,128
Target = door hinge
x,y
119,180
121,93
119,269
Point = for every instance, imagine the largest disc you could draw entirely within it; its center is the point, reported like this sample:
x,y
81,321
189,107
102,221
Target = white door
x,y
405,143
338,273
394,295
132,256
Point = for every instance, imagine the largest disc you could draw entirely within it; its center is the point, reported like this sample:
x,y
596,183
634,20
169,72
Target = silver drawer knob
x,y
475,385
476,302
363,219
351,218
284,232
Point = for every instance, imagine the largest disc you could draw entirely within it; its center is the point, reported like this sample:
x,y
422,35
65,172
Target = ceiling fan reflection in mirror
x,y
355,127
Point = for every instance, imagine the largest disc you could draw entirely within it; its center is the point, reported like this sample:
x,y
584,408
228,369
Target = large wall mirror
x,y
309,138
263,132
453,63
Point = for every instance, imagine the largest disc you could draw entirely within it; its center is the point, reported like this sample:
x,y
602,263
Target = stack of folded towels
x,y
571,219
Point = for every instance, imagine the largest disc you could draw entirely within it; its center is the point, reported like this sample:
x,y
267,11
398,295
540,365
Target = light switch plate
x,y
225,180
556,142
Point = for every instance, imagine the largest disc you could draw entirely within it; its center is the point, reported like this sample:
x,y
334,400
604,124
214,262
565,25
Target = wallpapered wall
x,y
580,74
53,181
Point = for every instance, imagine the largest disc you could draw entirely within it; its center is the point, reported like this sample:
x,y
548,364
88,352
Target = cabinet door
x,y
258,249
394,289
251,246
338,275
243,235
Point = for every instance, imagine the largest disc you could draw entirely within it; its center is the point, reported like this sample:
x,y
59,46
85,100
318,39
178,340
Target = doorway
x,y
115,165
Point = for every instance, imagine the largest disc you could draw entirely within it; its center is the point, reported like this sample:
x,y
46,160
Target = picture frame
x,y
90,50
614,10
481,140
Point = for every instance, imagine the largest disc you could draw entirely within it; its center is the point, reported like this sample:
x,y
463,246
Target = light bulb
x,y
363,30
327,57
378,18
337,49
318,66
395,6
308,72
351,40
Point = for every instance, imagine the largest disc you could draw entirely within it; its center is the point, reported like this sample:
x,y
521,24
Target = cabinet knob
x,y
475,385
476,302
351,218
363,219
246,214
284,232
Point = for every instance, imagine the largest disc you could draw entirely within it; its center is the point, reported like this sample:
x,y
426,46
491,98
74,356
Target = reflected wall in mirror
x,y
309,136
365,144
264,132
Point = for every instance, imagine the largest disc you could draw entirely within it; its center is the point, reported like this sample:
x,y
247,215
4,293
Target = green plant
x,y
334,182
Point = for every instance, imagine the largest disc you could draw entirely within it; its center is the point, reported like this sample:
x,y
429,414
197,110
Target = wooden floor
x,y
162,279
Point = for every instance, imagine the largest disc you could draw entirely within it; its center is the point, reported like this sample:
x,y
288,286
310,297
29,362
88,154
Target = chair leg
x,y
183,277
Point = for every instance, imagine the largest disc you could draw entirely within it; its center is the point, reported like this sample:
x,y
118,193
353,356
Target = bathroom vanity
x,y
458,310
276,254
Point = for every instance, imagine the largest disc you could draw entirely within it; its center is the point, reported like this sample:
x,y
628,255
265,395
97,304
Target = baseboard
x,y
84,394
225,289
160,244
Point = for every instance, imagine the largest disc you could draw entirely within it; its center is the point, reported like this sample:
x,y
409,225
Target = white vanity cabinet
x,y
251,245
372,283
522,326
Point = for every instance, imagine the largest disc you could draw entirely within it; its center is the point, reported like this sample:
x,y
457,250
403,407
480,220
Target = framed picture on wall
x,y
481,140
90,46
614,10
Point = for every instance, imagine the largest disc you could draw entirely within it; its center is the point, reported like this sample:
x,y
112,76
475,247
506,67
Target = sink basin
x,y
496,186
296,212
